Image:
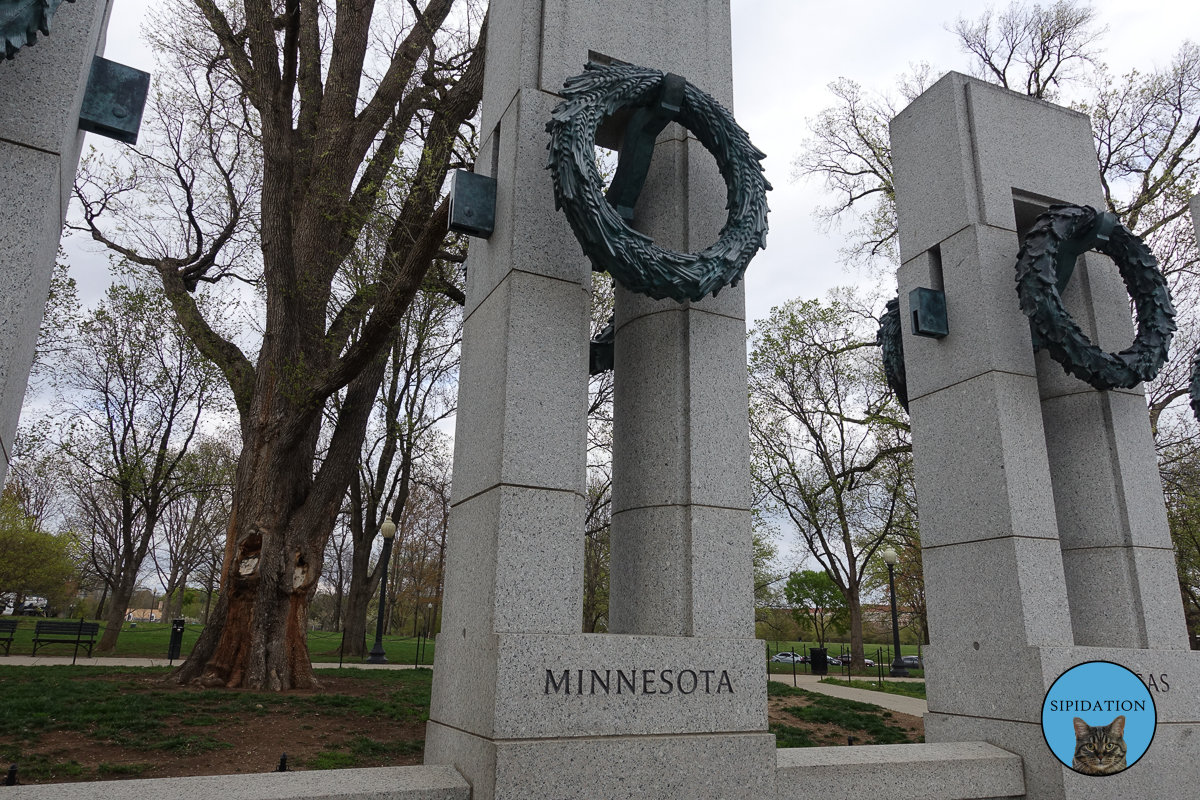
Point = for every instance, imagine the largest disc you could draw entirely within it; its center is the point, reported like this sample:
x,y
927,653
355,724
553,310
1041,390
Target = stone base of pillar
x,y
962,709
725,766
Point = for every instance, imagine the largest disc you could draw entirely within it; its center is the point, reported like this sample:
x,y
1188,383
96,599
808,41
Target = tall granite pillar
x,y
674,704
1044,535
41,91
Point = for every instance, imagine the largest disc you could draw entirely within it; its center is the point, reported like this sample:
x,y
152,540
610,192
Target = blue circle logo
x,y
1098,718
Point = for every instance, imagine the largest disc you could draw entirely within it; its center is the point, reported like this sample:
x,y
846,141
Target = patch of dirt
x,y
833,735
247,742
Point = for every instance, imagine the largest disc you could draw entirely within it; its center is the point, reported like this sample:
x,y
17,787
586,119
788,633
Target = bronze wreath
x,y
891,348
1059,235
630,257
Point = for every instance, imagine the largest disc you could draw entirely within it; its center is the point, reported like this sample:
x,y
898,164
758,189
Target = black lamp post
x,y
387,530
890,558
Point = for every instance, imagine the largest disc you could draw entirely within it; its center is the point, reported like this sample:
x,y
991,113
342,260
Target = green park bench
x,y
8,629
65,632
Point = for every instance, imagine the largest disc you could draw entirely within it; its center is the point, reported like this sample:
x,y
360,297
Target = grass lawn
x,y
806,719
906,688
61,724
150,639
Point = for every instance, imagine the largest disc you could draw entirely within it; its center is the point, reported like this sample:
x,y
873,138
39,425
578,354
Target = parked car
x,y
912,662
787,658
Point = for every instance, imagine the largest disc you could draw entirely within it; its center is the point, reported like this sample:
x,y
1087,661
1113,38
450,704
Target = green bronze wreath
x,y
891,347
1057,235
630,257
22,20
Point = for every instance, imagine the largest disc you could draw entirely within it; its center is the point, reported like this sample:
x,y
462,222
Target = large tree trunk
x,y
100,605
856,633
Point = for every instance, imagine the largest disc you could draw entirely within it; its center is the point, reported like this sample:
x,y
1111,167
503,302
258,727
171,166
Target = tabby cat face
x,y
1099,750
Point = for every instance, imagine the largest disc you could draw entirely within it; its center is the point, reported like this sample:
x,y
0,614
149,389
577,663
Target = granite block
x,y
681,571
688,37
514,45
1106,485
383,783
987,329
1161,609
463,695
523,388
28,247
701,767
681,429
680,685
1006,591
1167,769
999,485
1042,771
1007,128
1103,592
43,88
933,170
649,582
530,234
961,149
950,771
722,570
1171,675
1194,205
518,556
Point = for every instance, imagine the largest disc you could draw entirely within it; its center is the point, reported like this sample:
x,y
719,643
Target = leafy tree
x,y
824,429
279,132
135,391
816,601
35,563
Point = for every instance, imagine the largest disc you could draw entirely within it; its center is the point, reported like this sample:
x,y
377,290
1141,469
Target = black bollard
x,y
11,778
283,767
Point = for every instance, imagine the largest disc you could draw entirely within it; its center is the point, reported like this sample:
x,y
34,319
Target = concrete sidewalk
x,y
894,702
46,661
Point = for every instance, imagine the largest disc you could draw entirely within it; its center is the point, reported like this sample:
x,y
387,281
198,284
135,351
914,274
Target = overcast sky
x,y
785,53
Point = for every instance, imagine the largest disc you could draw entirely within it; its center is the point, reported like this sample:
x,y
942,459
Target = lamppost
x,y
387,530
890,558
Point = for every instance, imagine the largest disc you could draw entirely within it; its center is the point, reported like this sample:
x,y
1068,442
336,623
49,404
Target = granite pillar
x,y
41,91
673,703
1045,540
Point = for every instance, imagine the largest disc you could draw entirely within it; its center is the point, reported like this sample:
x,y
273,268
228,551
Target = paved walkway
x,y
895,702
44,661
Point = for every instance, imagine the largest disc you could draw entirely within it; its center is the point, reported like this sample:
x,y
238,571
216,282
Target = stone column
x,y
680,535
41,91
524,704
1043,529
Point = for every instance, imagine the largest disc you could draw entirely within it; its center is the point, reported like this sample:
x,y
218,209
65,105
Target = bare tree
x,y
310,120
136,391
193,525
418,392
824,429
1032,50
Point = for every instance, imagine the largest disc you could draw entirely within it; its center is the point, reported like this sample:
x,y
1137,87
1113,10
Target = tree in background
x,y
418,392
816,601
598,507
134,391
824,430
35,563
281,132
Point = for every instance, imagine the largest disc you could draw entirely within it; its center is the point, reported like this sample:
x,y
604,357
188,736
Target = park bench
x,y
65,632
8,629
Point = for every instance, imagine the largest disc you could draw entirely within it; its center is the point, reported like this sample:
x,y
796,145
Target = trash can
x,y
176,643
820,661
